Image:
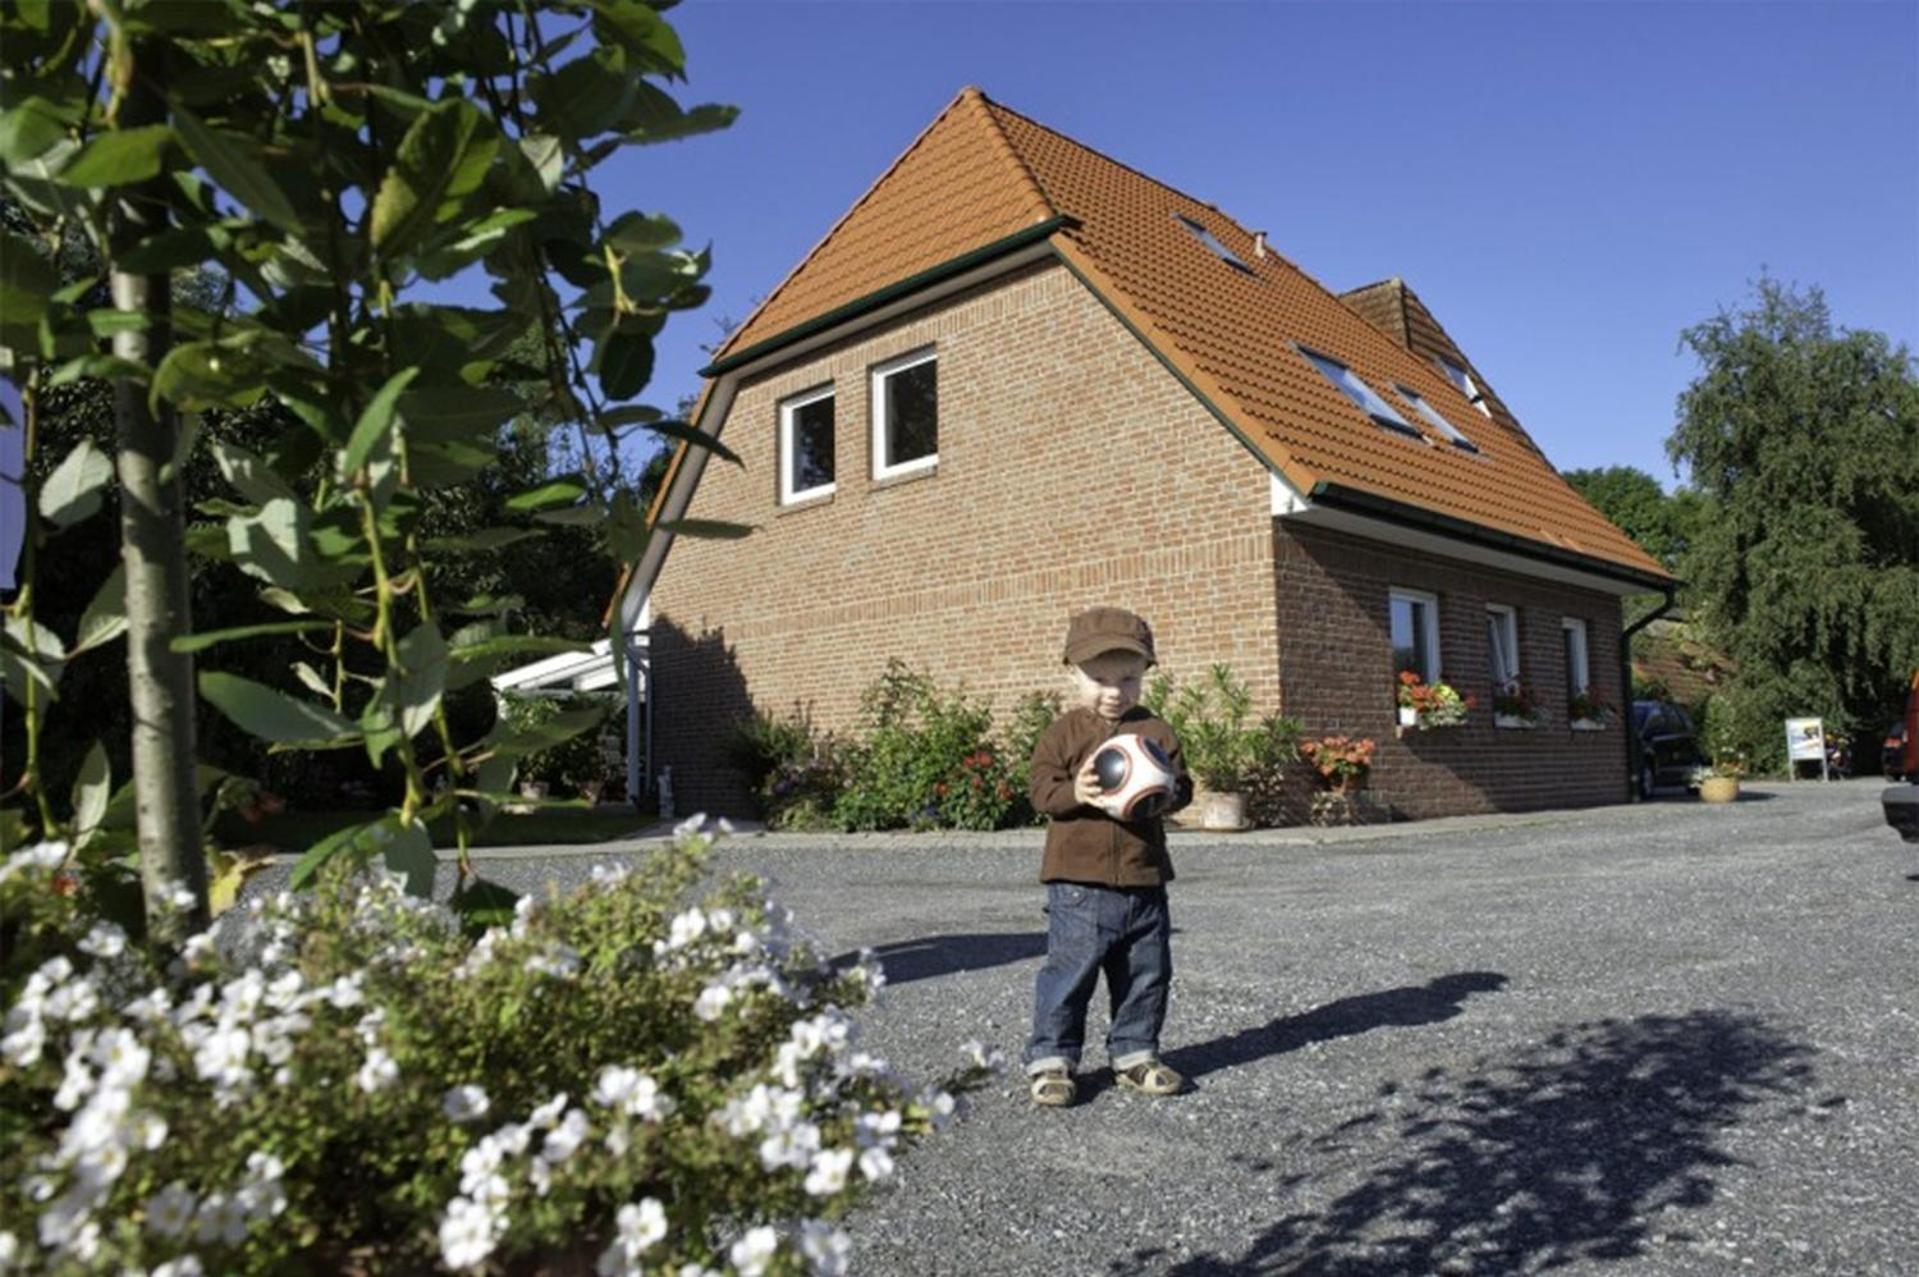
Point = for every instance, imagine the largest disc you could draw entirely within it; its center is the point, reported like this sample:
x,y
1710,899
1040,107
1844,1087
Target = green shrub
x,y
916,755
1225,748
793,771
346,1080
1033,713
574,766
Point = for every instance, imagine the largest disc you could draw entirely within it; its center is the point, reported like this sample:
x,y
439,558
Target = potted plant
x,y
1224,747
1515,706
1719,783
1586,711
1343,762
1431,704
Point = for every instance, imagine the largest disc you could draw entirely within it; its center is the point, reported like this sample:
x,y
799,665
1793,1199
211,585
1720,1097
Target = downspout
x,y
635,767
1625,690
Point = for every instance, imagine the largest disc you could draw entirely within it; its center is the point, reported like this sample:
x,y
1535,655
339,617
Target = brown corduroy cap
x,y
1107,629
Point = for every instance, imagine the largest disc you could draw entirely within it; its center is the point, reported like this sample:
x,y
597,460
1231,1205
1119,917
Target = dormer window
x,y
1433,419
1349,384
1467,386
1211,241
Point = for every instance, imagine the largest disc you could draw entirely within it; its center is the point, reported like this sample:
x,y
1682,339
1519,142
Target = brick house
x,y
1018,378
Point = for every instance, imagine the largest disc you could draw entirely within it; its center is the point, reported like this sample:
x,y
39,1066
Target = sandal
x,y
1150,1077
1054,1088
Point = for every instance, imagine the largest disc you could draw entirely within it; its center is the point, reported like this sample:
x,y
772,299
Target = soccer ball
x,y
1135,777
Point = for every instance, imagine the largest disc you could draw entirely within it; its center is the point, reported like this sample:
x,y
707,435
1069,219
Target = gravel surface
x,y
1660,1039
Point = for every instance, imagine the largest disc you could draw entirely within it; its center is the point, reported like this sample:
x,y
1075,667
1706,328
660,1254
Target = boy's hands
x,y
1086,784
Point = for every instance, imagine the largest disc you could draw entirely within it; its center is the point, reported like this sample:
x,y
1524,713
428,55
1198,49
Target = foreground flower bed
x,y
345,1081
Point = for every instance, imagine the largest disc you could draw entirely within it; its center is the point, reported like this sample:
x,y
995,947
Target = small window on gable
x,y
806,446
1578,670
1433,419
1414,624
1502,646
1354,388
1467,386
1211,241
905,415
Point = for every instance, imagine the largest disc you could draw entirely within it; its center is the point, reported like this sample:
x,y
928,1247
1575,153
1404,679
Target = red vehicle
x,y
1901,802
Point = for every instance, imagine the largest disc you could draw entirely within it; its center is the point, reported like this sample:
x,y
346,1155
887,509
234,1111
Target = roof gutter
x,y
892,292
1340,497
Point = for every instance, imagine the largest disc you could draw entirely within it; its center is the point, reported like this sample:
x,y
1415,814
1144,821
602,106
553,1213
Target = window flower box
x,y
1587,712
1514,706
1432,704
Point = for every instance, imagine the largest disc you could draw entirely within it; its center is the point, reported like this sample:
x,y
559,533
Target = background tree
x,y
1805,439
1661,522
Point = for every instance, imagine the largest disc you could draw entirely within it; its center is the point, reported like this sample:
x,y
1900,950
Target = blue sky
x,y
1566,185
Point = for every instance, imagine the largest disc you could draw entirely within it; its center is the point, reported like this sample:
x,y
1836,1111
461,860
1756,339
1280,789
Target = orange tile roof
x,y
981,172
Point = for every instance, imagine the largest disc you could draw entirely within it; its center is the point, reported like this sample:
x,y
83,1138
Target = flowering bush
x,y
1516,700
908,764
980,794
1341,761
794,771
1433,704
1588,707
346,1080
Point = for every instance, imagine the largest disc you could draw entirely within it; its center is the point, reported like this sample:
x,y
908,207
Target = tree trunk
x,y
152,543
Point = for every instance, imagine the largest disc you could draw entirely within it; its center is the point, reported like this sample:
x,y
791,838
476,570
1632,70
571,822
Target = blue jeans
x,y
1124,933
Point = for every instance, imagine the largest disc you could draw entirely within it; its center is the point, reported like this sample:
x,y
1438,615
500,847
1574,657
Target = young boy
x,y
1105,878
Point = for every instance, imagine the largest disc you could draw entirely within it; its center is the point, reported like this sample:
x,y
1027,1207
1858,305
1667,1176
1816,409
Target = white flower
x,y
464,1103
565,1139
75,1000
875,1164
686,928
9,1244
990,1058
121,1057
549,1112
560,961
512,1138
641,1225
690,827
170,1211
753,1252
631,1091
610,875
712,1002
184,1266
941,1108
22,1047
379,1072
60,1225
105,940
724,828
74,1083
828,1173
468,1232
828,1249
344,993
222,1218
792,1147
43,855
222,1056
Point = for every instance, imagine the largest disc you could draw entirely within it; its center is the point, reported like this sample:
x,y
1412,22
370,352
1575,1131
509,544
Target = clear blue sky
x,y
1567,185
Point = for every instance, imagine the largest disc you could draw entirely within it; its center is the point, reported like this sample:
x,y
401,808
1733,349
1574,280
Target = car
x,y
1892,754
1668,746
1901,805
1901,802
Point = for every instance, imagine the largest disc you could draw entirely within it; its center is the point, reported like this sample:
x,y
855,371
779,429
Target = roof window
x,y
1359,392
1211,241
1467,386
1433,418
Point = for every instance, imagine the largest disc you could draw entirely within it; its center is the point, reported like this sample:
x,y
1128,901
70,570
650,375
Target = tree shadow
x,y
929,956
1569,1151
1405,1007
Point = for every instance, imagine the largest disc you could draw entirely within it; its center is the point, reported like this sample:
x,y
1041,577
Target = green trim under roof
x,y
1339,496
892,292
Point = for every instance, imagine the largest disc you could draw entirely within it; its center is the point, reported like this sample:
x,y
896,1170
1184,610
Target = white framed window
x,y
1354,387
806,446
1433,419
1414,626
1467,386
905,415
1578,668
1211,241
1502,645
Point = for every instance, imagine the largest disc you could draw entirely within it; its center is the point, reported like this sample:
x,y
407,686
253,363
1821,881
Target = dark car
x,y
1892,755
1668,746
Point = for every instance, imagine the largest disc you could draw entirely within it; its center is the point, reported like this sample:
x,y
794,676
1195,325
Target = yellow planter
x,y
1719,789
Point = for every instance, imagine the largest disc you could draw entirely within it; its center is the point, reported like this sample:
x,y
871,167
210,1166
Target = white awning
x,y
569,672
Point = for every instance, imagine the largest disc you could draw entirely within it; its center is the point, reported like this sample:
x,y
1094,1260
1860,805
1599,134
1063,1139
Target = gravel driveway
x,y
1660,1039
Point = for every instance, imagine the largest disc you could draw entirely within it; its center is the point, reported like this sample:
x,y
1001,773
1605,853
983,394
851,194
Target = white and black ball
x,y
1135,776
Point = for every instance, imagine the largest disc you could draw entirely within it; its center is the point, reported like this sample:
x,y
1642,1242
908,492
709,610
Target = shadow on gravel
x,y
1404,1007
1561,1153
929,956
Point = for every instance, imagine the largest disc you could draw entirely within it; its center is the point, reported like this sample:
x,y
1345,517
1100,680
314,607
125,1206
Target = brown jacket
x,y
1084,844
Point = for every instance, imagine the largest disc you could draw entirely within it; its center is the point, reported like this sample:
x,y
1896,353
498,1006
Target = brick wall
x,y
1073,470
1335,663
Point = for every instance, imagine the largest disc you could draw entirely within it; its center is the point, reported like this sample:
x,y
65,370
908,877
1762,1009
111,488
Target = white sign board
x,y
1805,738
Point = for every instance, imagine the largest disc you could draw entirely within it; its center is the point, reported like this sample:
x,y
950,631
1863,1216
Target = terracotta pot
x,y
1719,789
1222,813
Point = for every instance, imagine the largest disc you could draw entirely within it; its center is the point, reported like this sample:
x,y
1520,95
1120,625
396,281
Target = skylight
x,y
1350,384
1433,419
1467,386
1211,241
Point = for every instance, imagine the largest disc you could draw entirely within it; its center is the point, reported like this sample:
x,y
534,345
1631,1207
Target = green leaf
x,y
440,161
480,541
375,422
482,904
697,437
229,161
409,851
475,661
551,493
272,545
656,117
708,529
272,715
375,838
625,363
644,33
207,374
104,367
445,412
586,96
73,490
638,233
205,639
27,283
92,787
418,685
250,476
119,157
27,129
106,617
311,680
